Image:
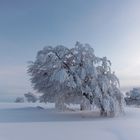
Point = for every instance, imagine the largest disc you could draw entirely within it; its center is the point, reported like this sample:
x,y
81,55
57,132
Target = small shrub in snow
x,y
30,97
19,100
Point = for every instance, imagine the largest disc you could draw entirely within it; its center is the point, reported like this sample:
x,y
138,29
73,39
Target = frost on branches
x,y
133,97
75,75
30,97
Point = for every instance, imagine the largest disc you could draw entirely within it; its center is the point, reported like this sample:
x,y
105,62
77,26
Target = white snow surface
x,y
31,122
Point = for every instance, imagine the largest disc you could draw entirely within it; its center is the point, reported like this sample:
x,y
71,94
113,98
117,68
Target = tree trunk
x,y
85,104
103,112
59,104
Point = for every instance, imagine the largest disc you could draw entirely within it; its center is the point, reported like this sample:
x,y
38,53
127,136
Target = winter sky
x,y
112,27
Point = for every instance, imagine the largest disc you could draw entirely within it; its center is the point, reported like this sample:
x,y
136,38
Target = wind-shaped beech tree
x,y
75,75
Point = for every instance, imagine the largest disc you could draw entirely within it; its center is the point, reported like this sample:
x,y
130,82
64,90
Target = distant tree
x,y
19,100
70,75
133,97
30,97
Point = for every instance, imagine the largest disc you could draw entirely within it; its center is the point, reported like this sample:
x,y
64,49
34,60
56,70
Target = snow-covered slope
x,y
28,122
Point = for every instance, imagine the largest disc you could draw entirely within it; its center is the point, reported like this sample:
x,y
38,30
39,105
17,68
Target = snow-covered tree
x,y
133,97
135,94
30,97
67,75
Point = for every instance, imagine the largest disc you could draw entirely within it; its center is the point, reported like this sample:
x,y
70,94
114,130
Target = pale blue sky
x,y
112,27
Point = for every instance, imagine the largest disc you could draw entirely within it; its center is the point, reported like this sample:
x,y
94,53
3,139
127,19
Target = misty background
x,y
112,28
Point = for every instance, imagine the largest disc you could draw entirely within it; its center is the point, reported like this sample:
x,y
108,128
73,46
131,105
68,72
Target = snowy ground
x,y
28,122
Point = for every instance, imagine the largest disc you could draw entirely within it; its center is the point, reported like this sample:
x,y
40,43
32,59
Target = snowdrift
x,y
32,122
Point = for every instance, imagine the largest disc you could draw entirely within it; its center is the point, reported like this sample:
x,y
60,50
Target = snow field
x,y
28,122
